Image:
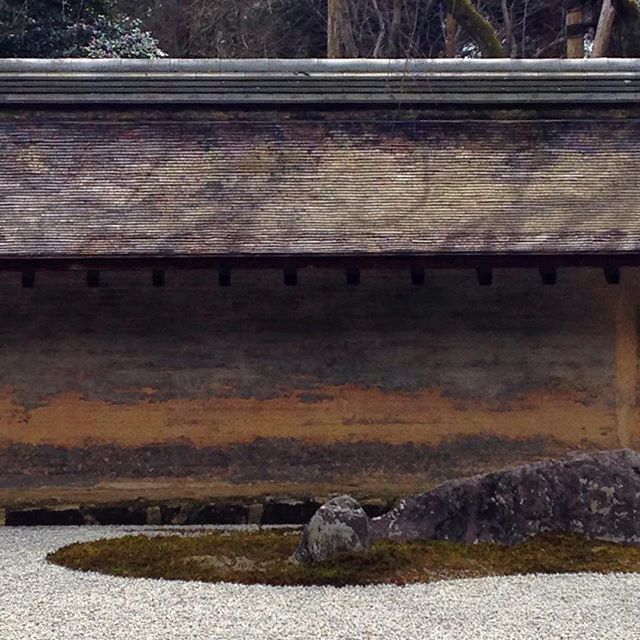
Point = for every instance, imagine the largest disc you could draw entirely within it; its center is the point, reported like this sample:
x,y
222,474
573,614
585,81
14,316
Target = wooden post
x,y
575,32
334,15
626,363
452,36
604,29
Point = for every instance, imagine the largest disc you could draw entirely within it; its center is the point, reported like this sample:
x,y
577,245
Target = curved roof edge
x,y
278,81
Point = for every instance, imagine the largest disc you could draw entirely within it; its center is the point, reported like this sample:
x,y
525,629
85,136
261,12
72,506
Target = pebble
x,y
39,601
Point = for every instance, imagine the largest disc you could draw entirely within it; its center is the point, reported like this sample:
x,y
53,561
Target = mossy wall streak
x,y
320,365
626,360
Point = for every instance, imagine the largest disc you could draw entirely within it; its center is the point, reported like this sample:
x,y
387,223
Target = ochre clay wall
x,y
384,384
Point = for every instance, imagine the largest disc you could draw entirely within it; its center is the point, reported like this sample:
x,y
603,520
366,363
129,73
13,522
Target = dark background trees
x,y
72,28
306,28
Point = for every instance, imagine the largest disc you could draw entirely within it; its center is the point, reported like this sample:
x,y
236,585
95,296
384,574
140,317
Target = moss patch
x,y
262,557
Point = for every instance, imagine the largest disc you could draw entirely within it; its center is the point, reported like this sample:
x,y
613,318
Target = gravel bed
x,y
39,601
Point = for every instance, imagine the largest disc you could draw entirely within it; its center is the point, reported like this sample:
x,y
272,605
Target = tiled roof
x,y
172,81
116,182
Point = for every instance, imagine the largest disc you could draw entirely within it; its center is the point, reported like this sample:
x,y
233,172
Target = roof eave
x,y
278,81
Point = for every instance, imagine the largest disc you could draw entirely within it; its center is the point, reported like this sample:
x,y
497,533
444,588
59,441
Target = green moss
x,y
262,557
477,26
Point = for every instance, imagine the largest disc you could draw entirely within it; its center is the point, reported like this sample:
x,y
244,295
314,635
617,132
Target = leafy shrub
x,y
72,29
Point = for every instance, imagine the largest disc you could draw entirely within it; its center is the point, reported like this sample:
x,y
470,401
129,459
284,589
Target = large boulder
x,y
339,526
595,495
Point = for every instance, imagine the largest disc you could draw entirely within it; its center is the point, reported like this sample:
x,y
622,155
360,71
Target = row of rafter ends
x,y
548,275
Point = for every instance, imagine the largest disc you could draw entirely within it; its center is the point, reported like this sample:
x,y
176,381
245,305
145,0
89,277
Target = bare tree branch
x,y
382,30
394,30
508,29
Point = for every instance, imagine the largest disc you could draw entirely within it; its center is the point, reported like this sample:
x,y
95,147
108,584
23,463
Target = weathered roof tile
x,y
206,186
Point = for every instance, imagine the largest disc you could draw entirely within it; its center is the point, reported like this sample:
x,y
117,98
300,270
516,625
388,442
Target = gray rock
x,y
154,515
339,526
595,495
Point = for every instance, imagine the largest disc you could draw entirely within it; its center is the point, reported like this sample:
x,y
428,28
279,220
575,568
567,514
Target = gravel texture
x,y
39,601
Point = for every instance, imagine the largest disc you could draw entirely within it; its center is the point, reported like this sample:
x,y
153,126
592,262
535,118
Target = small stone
x,y
154,516
338,527
254,513
182,515
89,520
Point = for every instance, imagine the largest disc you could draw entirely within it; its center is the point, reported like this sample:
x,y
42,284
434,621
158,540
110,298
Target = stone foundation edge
x,y
270,511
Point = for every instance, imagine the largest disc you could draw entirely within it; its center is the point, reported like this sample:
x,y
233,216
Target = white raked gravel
x,y
39,601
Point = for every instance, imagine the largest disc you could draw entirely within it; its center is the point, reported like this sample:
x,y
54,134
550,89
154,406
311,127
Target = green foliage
x,y
72,28
263,557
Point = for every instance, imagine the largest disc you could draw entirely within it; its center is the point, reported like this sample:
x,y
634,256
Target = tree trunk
x,y
575,32
508,28
340,40
625,39
604,30
334,43
183,29
452,36
477,26
394,30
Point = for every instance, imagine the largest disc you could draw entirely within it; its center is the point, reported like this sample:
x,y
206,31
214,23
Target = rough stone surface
x,y
596,495
129,514
339,526
284,510
51,516
154,515
219,513
254,513
177,514
276,511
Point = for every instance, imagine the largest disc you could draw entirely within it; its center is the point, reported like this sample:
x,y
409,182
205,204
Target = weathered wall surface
x,y
315,383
